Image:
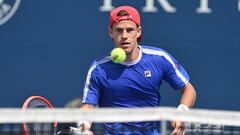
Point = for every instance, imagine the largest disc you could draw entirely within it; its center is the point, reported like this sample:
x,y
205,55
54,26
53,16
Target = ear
x,y
139,31
110,32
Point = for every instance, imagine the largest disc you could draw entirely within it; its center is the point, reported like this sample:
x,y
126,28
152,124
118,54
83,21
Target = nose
x,y
124,34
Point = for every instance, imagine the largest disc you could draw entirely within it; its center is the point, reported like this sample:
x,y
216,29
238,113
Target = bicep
x,y
91,89
174,74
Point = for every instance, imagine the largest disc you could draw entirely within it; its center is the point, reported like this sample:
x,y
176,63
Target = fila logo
x,y
147,73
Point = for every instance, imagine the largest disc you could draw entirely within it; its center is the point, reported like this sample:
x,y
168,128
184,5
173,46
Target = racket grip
x,y
76,131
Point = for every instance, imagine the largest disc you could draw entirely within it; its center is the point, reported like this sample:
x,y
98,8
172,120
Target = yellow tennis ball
x,y
118,55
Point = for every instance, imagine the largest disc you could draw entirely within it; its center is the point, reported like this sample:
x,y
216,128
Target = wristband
x,y
183,108
79,123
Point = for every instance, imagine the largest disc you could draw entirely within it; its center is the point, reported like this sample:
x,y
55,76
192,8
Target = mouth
x,y
125,44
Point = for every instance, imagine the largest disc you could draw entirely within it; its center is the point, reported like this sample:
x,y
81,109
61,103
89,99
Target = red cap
x,y
133,15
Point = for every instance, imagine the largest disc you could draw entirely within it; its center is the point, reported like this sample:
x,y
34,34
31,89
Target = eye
x,y
119,29
130,30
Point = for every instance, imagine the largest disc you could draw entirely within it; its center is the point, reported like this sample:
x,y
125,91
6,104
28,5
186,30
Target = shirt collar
x,y
130,63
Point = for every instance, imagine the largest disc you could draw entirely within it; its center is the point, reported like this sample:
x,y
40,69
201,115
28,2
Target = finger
x,y
83,127
90,133
173,124
180,132
174,132
183,132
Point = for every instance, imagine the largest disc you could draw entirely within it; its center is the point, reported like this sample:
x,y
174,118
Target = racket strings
x,y
39,128
37,103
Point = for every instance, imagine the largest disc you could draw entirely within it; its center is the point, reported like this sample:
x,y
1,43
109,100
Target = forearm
x,y
187,100
87,106
188,95
83,124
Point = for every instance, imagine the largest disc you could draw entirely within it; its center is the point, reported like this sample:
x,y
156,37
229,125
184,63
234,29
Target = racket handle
x,y
73,131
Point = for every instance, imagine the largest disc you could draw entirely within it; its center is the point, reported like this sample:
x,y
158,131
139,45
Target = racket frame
x,y
25,107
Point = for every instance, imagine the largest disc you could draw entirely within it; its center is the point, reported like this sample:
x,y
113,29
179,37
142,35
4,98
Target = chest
x,y
136,79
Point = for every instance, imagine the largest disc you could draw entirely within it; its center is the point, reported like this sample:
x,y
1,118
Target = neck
x,y
133,55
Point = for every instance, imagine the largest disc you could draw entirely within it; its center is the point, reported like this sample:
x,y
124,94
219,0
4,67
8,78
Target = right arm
x,y
90,95
85,125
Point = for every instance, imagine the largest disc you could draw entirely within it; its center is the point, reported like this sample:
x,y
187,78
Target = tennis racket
x,y
38,128
45,128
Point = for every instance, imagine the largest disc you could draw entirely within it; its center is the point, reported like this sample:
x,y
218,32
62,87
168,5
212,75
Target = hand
x,y
87,132
178,128
85,129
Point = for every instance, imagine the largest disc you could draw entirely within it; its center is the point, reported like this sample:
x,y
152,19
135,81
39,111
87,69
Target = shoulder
x,y
154,51
158,54
100,61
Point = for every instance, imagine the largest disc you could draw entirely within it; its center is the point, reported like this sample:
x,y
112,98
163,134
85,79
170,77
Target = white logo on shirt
x,y
147,73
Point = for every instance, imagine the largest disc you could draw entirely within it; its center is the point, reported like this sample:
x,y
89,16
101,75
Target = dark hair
x,y
122,13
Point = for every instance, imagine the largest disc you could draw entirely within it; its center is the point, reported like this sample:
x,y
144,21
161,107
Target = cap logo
x,y
119,18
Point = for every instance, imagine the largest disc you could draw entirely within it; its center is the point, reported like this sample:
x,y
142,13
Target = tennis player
x,y
135,82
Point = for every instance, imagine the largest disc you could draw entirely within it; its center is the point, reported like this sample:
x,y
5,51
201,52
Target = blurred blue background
x,y
47,46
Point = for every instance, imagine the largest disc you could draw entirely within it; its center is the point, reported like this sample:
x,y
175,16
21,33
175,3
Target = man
x,y
135,82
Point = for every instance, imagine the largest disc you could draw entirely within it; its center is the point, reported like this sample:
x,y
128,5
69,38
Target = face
x,y
125,34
